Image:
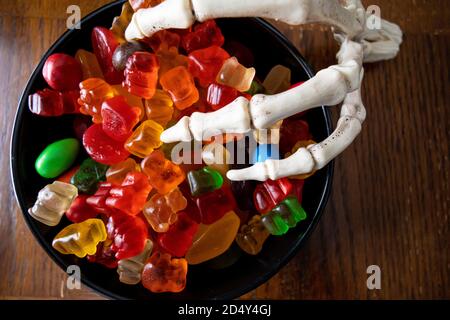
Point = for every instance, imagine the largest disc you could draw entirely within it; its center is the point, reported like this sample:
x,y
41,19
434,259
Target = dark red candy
x,y
205,64
80,210
191,209
178,239
242,53
292,131
47,103
104,255
213,205
98,200
119,118
62,72
80,124
297,188
70,101
270,193
104,44
205,34
102,148
220,95
128,233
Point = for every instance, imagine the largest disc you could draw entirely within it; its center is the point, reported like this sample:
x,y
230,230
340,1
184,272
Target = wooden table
x,y
390,199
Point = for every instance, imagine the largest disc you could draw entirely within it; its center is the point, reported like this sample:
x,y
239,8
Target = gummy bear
x,y
212,240
88,176
93,92
161,210
163,174
130,197
252,236
204,35
205,64
271,192
117,172
145,139
141,74
119,118
214,205
89,64
81,238
51,103
163,40
98,200
291,132
164,274
104,44
235,75
129,234
80,210
130,269
159,108
243,193
178,239
104,255
204,180
179,83
103,148
220,95
169,58
120,23
277,80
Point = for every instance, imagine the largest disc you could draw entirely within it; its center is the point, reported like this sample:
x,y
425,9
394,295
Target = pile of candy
x,y
131,207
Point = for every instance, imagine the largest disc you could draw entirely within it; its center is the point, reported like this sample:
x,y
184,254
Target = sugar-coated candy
x,y
204,64
104,44
145,139
142,4
89,64
212,240
141,74
269,193
51,103
57,157
284,216
104,255
159,108
291,132
88,176
162,273
81,238
52,201
123,52
252,236
264,152
204,180
169,58
93,92
117,172
204,35
235,75
179,83
80,210
163,174
214,205
102,148
129,234
217,157
130,269
120,23
178,239
98,200
298,145
62,72
131,195
220,95
277,80
243,193
161,210
119,118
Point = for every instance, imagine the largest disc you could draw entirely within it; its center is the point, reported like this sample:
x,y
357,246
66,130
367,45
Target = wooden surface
x,y
390,200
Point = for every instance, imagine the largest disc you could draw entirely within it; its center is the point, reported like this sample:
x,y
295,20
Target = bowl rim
x,y
232,294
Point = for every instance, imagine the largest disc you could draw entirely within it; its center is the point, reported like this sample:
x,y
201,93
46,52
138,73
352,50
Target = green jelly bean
x,y
57,158
87,178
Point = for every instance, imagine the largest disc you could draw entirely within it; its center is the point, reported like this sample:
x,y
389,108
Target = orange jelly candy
x,y
178,82
93,92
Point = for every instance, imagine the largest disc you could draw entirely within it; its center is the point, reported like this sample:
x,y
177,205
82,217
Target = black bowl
x,y
32,133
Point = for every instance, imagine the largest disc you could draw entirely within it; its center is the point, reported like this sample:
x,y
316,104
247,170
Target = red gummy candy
x,y
141,74
291,132
213,205
205,64
104,43
270,193
119,118
205,34
80,210
220,95
178,239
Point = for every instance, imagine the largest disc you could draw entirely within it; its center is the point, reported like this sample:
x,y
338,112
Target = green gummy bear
x,y
86,179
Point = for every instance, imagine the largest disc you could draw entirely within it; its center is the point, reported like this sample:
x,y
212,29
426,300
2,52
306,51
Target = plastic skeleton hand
x,y
333,85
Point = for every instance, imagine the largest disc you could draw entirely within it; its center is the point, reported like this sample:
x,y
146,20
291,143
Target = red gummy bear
x,y
104,255
205,64
141,74
291,132
220,95
98,200
131,196
163,39
213,205
271,192
62,72
297,188
50,103
119,118
178,239
80,210
102,148
205,34
104,44
128,234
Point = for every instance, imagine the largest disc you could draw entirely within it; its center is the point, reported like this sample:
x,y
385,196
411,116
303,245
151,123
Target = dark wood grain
x,y
390,199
